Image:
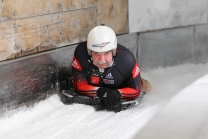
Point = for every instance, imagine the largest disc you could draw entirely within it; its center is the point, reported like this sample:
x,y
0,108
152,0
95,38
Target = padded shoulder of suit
x,y
125,60
81,48
81,53
125,55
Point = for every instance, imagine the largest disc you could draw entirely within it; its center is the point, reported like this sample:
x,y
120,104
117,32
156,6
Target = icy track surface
x,y
50,119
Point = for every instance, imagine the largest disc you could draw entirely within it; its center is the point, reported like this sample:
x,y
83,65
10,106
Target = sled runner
x,y
69,96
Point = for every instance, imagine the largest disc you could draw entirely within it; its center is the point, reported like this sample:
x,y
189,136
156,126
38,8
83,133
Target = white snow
x,y
184,116
52,119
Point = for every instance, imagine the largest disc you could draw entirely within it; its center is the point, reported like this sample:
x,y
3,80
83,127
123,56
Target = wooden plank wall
x,y
32,26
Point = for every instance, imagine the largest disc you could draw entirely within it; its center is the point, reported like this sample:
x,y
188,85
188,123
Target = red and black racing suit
x,y
123,75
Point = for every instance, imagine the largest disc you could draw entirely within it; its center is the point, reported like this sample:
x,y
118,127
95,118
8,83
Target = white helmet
x,y
101,39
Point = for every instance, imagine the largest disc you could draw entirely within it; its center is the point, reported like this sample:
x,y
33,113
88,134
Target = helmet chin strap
x,y
114,52
89,52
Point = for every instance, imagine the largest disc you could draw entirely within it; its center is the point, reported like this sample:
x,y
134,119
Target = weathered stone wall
x,y
32,26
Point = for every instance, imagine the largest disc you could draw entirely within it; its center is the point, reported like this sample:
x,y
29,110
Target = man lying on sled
x,y
106,73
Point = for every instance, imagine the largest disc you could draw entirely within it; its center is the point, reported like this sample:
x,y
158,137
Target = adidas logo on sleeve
x,y
76,64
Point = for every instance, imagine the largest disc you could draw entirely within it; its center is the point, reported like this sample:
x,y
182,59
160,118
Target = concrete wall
x,y
32,26
26,81
173,46
148,15
170,31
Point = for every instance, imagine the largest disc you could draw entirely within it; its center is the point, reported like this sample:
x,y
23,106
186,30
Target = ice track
x,y
50,119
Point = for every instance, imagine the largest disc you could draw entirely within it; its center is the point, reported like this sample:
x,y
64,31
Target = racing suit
x,y
123,74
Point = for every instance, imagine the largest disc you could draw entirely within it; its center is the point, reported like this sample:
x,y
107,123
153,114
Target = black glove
x,y
108,96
